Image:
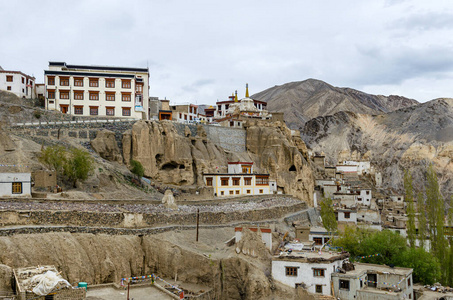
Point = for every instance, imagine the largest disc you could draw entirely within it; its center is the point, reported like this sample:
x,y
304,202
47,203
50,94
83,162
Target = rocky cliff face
x,y
304,100
409,138
176,159
276,151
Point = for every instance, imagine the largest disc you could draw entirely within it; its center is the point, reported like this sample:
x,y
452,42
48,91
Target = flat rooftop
x,y
361,268
311,256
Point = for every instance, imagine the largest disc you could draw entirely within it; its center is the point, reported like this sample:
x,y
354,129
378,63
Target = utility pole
x,y
128,285
198,221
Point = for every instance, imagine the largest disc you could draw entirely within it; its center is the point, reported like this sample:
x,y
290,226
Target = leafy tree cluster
x,y
71,165
392,249
329,220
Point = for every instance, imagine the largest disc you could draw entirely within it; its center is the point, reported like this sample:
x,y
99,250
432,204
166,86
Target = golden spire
x,y
236,96
246,90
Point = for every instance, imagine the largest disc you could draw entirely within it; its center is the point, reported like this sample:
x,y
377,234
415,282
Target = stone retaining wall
x,y
139,220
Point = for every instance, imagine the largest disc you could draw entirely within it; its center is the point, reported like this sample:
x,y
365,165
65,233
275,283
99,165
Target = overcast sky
x,y
201,51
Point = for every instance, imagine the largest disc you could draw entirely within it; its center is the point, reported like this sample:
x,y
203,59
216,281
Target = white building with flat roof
x,y
18,83
311,270
106,91
15,185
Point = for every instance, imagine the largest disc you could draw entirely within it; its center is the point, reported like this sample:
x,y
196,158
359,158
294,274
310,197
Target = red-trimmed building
x,y
18,83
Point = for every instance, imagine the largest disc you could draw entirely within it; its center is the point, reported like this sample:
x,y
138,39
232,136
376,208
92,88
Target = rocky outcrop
x,y
274,151
304,100
406,139
170,157
105,145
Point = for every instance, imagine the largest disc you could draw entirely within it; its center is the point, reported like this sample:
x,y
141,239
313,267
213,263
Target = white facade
x,y
18,83
266,235
347,168
347,216
363,167
238,184
240,167
15,184
97,90
364,197
316,276
185,113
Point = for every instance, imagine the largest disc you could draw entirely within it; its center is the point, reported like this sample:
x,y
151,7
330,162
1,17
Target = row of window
x,y
237,192
93,95
94,110
93,82
10,78
225,181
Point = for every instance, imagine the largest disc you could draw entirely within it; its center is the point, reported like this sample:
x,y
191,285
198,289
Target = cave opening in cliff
x,y
170,166
292,168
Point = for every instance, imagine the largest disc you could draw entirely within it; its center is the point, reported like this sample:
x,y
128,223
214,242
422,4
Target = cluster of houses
x,y
123,92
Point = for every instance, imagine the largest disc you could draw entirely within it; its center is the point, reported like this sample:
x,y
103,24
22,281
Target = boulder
x,y
169,200
105,145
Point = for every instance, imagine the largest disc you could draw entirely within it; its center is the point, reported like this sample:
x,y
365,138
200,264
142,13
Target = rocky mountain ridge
x,y
304,100
406,139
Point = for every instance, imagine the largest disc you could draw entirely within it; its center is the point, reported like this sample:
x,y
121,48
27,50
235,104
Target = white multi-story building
x,y
22,85
185,113
97,90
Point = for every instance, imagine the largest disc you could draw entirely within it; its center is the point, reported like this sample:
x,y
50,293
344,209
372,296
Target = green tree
x,y
422,230
54,157
78,166
137,168
409,196
426,266
329,220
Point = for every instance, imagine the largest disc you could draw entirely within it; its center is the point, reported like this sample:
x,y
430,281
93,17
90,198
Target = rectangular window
x,y
126,111
347,215
64,108
222,193
367,192
318,272
64,94
78,95
126,83
180,115
236,181
231,192
190,118
409,281
94,82
248,181
249,191
237,192
8,88
51,80
110,111
78,81
109,83
246,169
185,117
231,123
291,271
208,181
224,181
317,240
319,289
344,284
94,95
261,191
23,80
17,188
9,78
94,110
126,97
262,180
64,81
109,96
78,110
139,88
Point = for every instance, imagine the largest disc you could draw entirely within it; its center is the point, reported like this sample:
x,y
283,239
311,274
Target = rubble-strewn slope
x,y
408,138
304,100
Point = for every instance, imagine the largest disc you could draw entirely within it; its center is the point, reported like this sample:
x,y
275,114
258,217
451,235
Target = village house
x,y
107,91
184,113
240,180
15,185
18,83
308,269
346,215
368,281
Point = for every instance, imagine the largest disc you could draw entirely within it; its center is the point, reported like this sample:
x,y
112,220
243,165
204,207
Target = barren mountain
x,y
304,100
409,138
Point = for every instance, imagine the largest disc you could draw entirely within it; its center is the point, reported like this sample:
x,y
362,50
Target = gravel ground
x,y
148,208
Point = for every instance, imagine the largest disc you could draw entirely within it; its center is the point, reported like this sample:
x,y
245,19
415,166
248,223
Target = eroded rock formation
x,y
105,144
